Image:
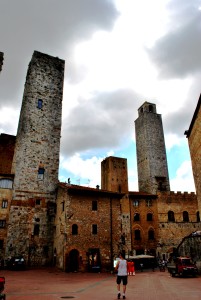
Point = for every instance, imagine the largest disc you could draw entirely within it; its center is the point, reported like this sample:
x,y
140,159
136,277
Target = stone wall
x,y
171,232
151,152
194,141
36,162
74,208
38,137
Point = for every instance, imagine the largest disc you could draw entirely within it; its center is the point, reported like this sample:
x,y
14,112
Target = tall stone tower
x,y
36,160
114,174
151,154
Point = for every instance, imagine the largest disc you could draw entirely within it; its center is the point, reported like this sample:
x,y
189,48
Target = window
x,y
171,216
40,103
149,217
137,235
136,203
74,229
149,202
36,229
41,172
151,234
4,203
62,206
6,183
94,205
185,216
94,229
2,223
1,244
136,217
198,216
150,108
37,201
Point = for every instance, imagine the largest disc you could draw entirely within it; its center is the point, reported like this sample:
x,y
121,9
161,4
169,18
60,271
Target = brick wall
x,y
7,145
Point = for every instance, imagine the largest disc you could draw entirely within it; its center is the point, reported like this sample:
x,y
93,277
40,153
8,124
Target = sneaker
x,y
118,296
124,297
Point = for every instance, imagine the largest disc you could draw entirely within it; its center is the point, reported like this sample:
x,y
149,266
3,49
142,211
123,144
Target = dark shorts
x,y
124,279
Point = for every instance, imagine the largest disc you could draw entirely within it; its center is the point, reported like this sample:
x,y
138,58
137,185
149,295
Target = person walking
x,y
122,275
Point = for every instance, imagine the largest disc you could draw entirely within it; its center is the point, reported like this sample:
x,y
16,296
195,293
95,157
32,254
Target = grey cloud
x,y
49,26
105,122
177,53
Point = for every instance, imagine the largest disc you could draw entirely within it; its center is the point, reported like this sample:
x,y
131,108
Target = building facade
x,y
74,227
193,134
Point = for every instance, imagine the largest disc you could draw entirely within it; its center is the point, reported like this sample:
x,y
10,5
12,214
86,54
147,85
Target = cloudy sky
x,y
118,53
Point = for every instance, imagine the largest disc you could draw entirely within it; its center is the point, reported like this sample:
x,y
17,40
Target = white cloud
x,y
171,140
88,170
184,179
8,124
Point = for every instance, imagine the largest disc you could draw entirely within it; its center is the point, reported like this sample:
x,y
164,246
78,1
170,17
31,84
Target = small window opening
x,y
137,235
149,217
136,217
2,223
4,203
41,172
40,103
74,229
94,229
36,229
94,205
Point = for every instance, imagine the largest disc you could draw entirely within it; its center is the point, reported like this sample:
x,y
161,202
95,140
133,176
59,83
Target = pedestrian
x,y
129,267
122,275
132,268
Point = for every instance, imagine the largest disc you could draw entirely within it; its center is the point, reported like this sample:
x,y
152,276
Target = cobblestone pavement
x,y
52,284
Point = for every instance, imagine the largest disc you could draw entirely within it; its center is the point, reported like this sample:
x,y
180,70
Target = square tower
x,y
151,153
114,174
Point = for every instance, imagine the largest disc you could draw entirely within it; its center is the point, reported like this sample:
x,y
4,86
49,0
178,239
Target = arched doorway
x,y
72,263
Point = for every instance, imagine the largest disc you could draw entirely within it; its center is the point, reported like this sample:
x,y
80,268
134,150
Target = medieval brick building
x,y
76,227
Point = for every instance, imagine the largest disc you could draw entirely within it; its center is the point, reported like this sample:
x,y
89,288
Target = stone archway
x,y
72,263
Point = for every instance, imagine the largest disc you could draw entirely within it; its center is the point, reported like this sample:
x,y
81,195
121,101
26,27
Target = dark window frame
x,y
94,205
94,229
74,229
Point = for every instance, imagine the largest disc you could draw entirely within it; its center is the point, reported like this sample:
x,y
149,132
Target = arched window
x,y
6,183
198,216
149,217
136,217
185,216
137,235
151,234
171,216
74,229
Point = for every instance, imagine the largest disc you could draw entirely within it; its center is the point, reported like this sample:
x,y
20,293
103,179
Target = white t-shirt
x,y
122,268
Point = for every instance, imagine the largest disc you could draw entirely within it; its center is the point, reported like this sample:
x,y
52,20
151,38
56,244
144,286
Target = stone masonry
x,y
151,153
194,141
36,161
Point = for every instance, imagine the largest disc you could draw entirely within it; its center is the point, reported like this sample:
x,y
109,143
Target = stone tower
x,y
114,175
151,153
36,160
